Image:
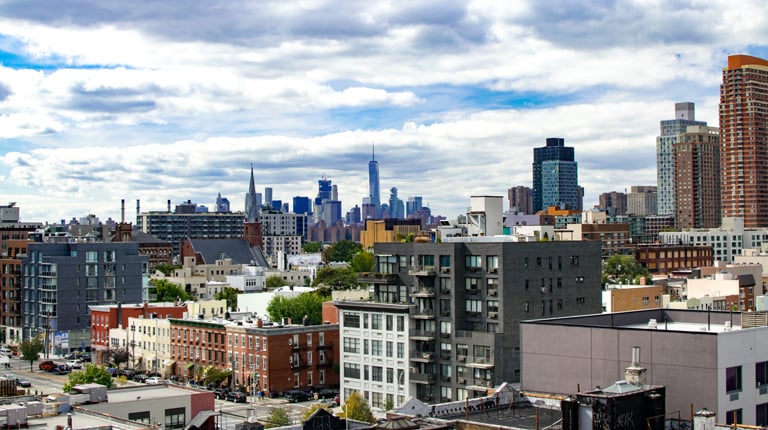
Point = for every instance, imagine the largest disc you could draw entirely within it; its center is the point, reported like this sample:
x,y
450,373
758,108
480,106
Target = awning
x,y
189,365
200,419
169,363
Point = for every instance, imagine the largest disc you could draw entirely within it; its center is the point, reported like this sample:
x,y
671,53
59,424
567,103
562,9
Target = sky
x,y
176,100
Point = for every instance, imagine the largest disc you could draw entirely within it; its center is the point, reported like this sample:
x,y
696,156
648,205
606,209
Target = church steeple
x,y
251,203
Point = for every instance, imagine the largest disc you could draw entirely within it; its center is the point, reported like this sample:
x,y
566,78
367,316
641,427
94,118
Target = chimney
x,y
169,205
138,207
636,374
122,210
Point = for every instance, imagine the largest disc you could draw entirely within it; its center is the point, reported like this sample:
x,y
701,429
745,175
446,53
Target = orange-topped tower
x,y
744,140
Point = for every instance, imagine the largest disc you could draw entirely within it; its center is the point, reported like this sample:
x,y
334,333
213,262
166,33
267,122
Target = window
x,y
733,379
389,346
295,380
445,261
352,370
352,319
730,415
175,418
400,323
352,345
139,417
473,261
390,375
400,350
761,373
377,374
389,320
474,306
761,414
492,263
376,347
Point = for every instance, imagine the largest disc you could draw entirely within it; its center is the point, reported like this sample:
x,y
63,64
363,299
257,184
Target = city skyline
x,y
99,102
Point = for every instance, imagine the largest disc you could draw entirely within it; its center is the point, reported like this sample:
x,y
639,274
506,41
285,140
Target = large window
x,y
386,264
376,321
492,263
352,345
761,414
352,319
175,418
139,417
376,347
352,370
445,261
377,374
474,261
733,379
734,417
473,306
761,373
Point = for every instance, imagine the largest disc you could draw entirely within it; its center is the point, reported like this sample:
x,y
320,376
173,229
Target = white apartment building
x,y
727,241
375,356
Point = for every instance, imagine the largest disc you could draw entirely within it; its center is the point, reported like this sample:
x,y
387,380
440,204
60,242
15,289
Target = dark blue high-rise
x,y
555,176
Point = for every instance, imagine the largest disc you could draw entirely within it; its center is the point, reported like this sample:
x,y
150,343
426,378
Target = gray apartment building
x,y
175,227
705,359
60,281
466,297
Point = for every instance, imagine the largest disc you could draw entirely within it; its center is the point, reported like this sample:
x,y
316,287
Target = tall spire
x,y
373,151
251,203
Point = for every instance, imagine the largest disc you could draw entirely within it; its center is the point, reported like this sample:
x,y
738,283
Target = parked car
x,y
47,365
326,393
154,380
75,364
140,377
236,396
326,403
61,369
220,393
21,382
294,396
128,373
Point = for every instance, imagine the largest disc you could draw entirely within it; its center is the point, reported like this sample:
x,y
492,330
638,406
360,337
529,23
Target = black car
x,y
236,396
326,393
221,393
294,396
140,377
61,369
128,373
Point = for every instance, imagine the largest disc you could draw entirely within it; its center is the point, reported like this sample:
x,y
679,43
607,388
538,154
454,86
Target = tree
x,y
166,269
362,262
215,376
230,295
311,410
274,282
623,269
295,308
356,408
277,417
337,278
91,374
30,350
119,356
311,247
342,250
166,291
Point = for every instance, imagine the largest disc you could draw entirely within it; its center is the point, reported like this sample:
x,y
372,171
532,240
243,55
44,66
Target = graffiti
x,y
625,420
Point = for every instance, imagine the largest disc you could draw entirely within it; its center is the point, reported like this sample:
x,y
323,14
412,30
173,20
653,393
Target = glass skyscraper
x,y
373,182
555,176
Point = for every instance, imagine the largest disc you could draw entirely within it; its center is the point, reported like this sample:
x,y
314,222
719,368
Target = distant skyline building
x,y
613,200
697,178
222,204
642,200
669,134
302,205
555,176
396,206
744,140
520,199
374,193
327,207
413,205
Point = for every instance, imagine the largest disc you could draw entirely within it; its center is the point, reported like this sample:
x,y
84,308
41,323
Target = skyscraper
x,y
520,199
555,176
697,178
373,180
670,131
642,200
412,205
744,140
615,200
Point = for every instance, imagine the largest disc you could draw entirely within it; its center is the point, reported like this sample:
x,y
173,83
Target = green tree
x,y
167,291
342,250
91,374
311,410
623,269
337,278
274,282
312,247
215,376
230,295
362,262
277,417
356,408
30,350
166,269
295,308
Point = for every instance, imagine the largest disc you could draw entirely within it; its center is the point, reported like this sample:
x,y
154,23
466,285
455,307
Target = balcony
x,y
423,314
422,378
378,278
423,292
421,270
480,362
479,384
423,357
422,335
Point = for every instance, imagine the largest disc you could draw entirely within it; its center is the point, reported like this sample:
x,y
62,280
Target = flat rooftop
x,y
146,392
673,320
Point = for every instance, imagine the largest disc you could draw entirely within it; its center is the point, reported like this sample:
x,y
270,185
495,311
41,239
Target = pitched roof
x,y
236,249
